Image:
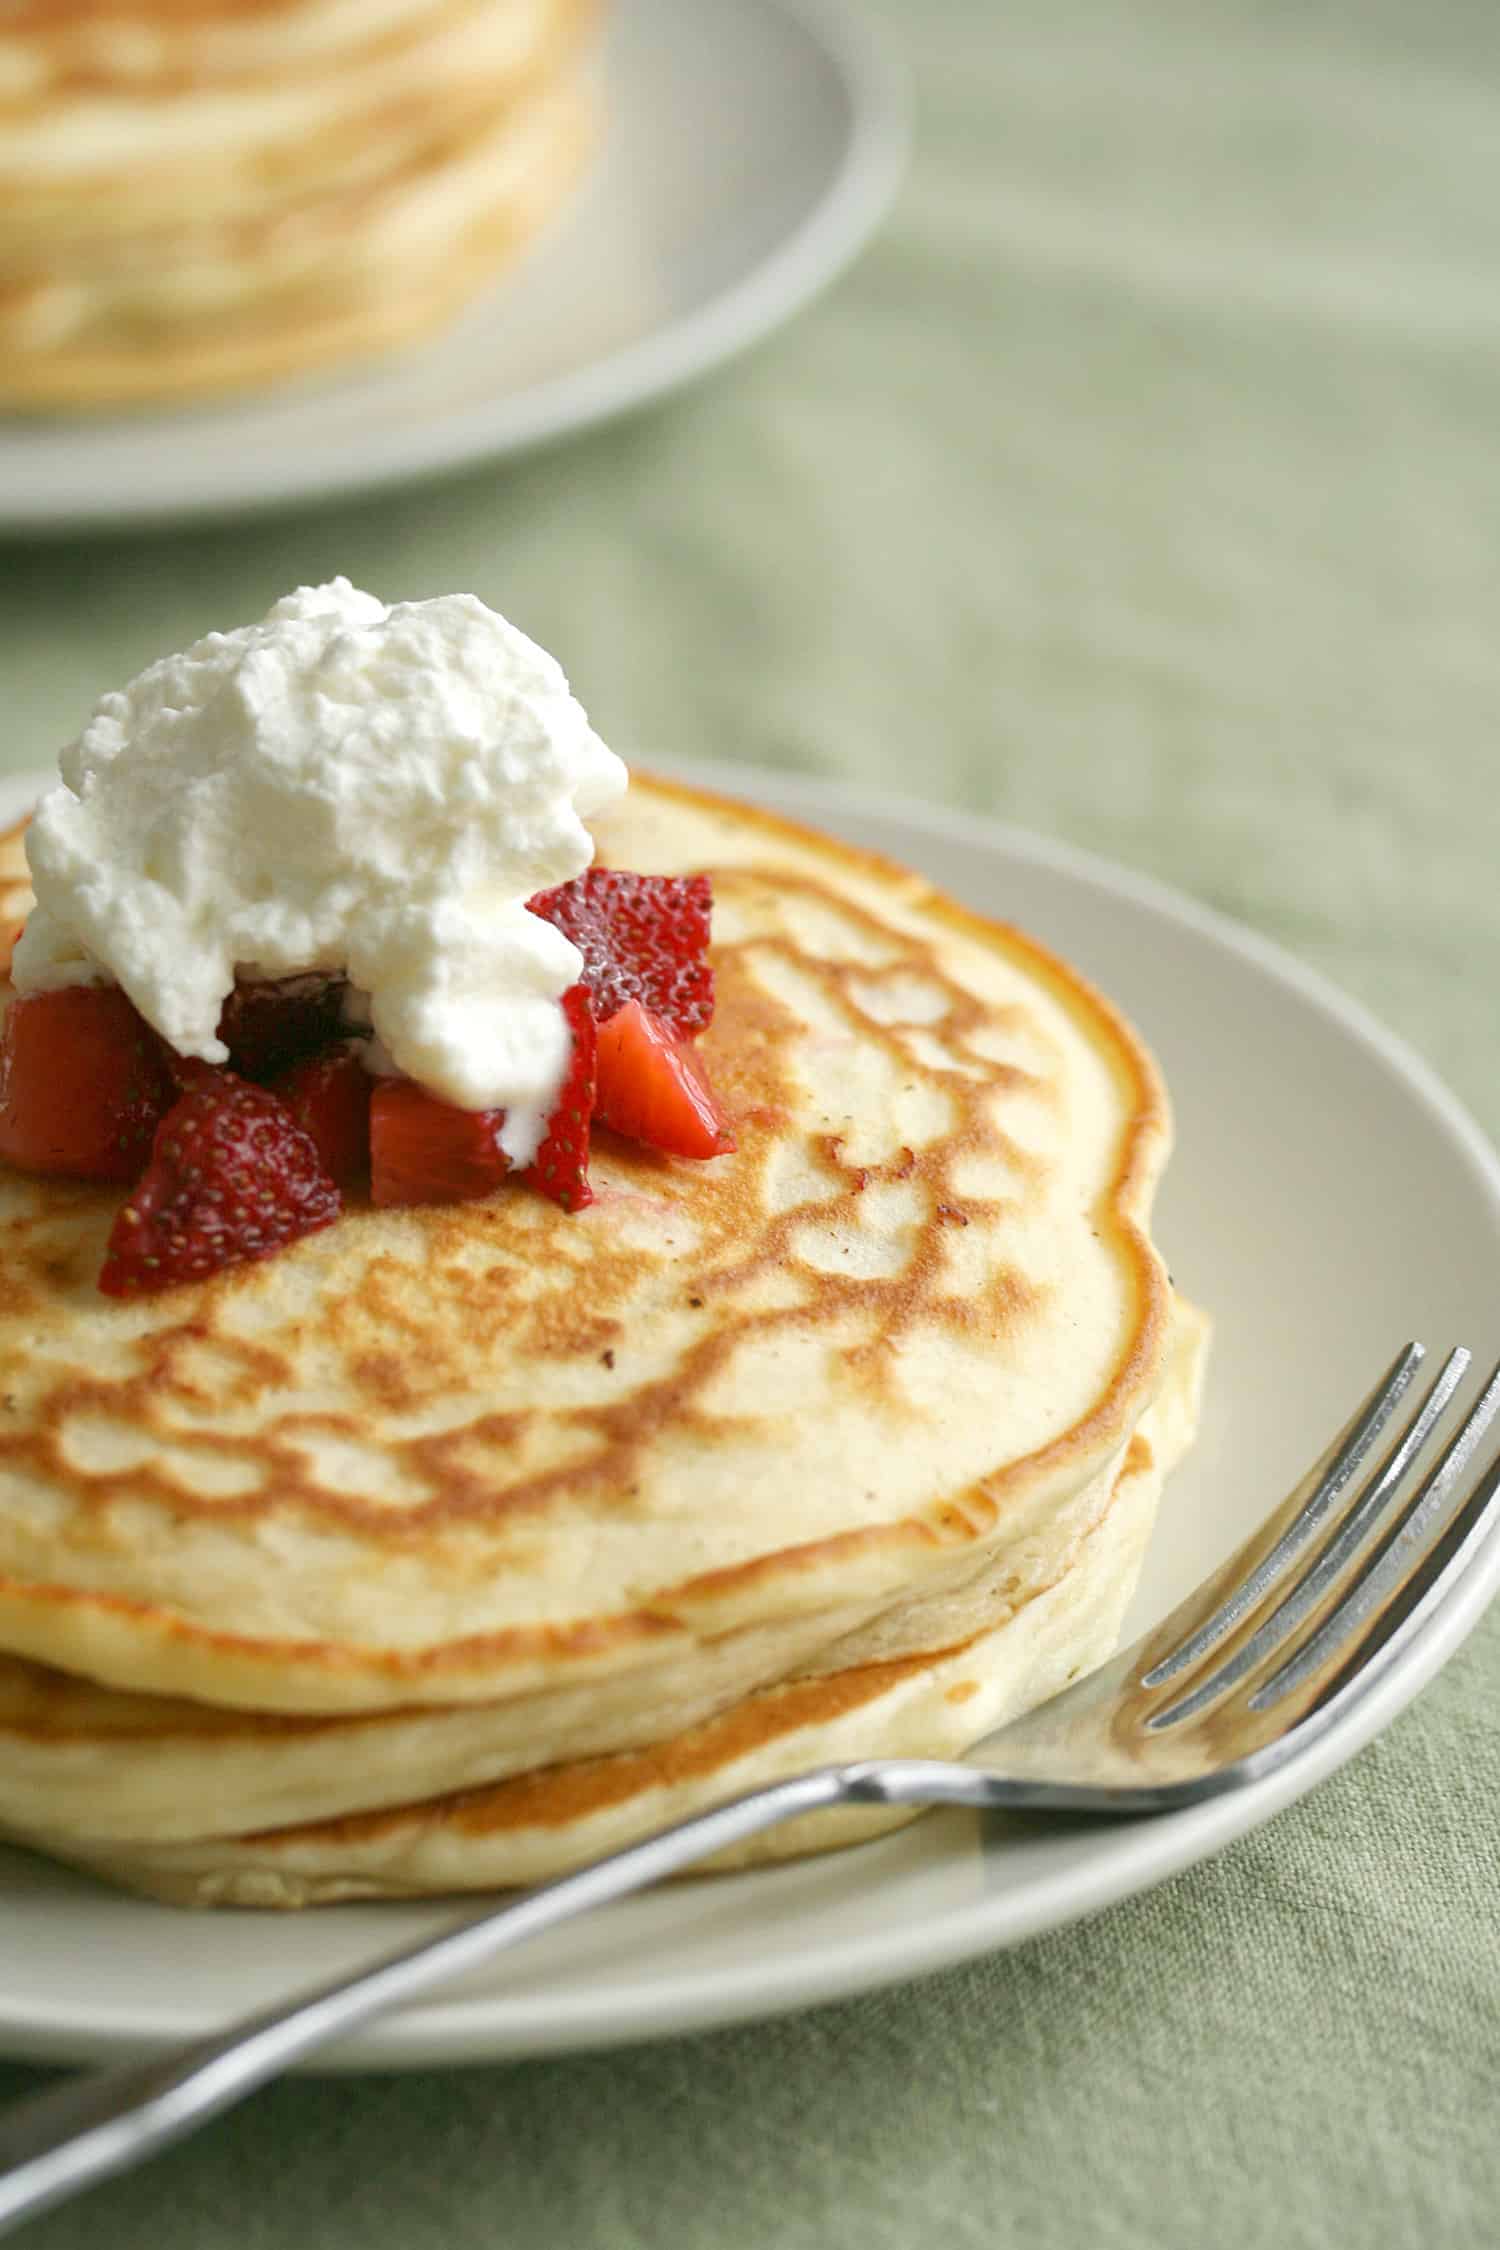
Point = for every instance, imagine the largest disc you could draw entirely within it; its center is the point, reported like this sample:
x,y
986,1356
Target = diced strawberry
x,y
423,1150
83,1084
271,1025
560,1168
653,1088
329,1095
642,937
232,1177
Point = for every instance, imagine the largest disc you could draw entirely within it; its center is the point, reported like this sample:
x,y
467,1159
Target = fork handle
x,y
94,2126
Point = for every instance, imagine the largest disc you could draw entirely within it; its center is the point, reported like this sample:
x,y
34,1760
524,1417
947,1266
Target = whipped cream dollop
x,y
349,786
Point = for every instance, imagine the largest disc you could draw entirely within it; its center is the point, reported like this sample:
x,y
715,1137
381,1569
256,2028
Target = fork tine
x,y
1356,1529
1308,1506
1400,1561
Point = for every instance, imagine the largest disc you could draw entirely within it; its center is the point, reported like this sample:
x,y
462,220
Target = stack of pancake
x,y
455,1545
202,195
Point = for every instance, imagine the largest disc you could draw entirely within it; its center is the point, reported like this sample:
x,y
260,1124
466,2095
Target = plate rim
x,y
460,2031
812,254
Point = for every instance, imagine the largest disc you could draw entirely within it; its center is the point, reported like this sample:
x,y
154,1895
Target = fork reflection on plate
x,y
1257,1663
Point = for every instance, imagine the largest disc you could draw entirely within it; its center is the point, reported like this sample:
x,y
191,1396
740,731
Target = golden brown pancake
x,y
199,198
155,1794
15,887
472,1496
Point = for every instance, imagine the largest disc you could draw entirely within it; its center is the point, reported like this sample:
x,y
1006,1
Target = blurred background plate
x,y
751,146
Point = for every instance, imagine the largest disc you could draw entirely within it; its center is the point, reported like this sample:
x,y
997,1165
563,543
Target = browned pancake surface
x,y
430,1454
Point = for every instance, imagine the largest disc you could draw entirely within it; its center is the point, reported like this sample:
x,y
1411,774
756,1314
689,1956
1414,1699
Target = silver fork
x,y
1263,1658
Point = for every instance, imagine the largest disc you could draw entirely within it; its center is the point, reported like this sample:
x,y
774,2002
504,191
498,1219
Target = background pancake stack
x,y
459,1543
202,195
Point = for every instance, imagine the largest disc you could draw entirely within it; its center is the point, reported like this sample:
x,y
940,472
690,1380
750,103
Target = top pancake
x,y
453,1454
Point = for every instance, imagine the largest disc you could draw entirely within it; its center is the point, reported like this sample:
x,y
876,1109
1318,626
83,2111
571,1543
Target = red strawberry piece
x,y
642,937
560,1168
423,1150
232,1177
83,1084
653,1088
267,1026
329,1095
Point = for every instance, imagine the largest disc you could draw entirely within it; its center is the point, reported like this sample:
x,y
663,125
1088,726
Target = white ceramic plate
x,y
1327,1200
751,147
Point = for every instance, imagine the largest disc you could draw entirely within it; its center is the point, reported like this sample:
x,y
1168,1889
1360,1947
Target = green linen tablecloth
x,y
1142,484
